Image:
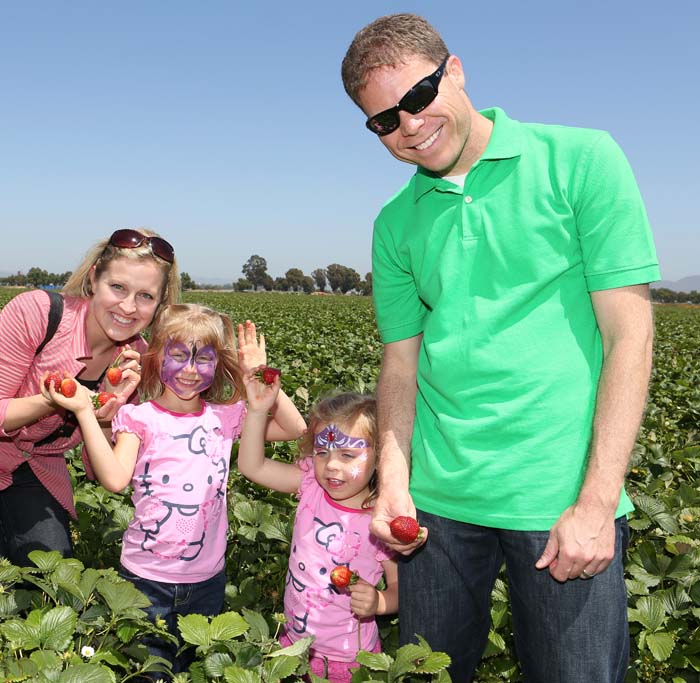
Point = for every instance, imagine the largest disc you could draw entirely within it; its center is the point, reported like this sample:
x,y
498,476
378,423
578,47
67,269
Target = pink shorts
x,y
334,671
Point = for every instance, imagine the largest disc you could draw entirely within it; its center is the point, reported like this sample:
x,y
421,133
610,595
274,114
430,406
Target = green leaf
x,y
56,629
227,626
46,659
249,656
279,668
296,649
660,645
46,561
22,635
259,630
216,662
234,674
378,661
649,612
434,662
276,529
194,629
87,673
121,597
647,556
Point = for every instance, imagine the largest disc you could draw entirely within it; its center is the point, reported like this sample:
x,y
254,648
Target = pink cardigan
x,y
23,323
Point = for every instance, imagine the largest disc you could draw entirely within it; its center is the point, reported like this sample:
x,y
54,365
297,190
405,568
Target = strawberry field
x,y
73,620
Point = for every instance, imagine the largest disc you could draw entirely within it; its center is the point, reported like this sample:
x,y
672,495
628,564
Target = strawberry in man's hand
x,y
405,529
342,576
98,400
268,374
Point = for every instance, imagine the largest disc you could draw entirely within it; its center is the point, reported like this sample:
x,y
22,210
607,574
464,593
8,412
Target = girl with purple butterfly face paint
x,y
336,484
174,450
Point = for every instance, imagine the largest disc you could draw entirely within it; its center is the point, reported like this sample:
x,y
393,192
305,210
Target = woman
x,y
109,300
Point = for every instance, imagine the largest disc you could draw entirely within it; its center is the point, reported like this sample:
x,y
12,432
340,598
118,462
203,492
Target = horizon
x,y
226,128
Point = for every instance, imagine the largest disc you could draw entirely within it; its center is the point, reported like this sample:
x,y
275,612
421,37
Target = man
x,y
510,281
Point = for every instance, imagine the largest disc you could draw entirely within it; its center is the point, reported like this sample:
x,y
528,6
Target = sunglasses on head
x,y
414,101
131,239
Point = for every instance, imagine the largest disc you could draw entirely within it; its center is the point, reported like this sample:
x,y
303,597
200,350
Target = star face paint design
x,y
188,369
332,437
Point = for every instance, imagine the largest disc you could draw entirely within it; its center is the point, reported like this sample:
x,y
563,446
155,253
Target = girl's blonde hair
x,y
184,322
347,409
103,253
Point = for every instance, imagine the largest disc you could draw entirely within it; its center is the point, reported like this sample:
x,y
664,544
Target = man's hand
x,y
388,505
581,544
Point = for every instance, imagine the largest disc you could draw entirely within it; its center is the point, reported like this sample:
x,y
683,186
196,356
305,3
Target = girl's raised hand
x,y
79,401
260,396
251,351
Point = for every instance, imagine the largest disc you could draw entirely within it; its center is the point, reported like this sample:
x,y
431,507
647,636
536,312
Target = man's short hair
x,y
389,41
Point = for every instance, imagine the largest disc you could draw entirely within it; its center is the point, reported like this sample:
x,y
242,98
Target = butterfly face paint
x,y
188,369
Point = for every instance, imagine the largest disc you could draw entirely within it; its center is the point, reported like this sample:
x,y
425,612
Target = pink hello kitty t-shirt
x,y
178,533
327,534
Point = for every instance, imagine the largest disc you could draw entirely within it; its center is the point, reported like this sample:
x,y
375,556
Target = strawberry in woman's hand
x,y
268,374
98,400
342,576
405,529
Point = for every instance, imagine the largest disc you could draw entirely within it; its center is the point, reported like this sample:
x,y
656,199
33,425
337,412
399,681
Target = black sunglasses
x,y
131,239
414,101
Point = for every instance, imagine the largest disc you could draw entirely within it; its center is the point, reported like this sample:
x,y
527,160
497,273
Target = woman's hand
x,y
251,351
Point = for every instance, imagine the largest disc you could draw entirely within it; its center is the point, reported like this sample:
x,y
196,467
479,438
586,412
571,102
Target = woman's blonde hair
x,y
346,409
184,322
103,253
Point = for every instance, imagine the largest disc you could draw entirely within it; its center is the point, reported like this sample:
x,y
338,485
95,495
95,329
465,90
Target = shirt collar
x,y
504,143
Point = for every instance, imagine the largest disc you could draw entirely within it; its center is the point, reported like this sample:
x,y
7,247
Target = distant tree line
x,y
334,278
668,296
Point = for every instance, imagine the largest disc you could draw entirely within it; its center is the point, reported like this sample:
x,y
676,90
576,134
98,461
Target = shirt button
x,y
468,199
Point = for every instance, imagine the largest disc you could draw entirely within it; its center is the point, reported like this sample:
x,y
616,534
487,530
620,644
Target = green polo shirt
x,y
497,278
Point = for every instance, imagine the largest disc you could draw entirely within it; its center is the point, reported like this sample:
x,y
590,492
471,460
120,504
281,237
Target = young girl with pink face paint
x,y
335,482
174,450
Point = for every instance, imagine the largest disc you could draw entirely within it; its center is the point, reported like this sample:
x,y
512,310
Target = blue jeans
x,y
572,632
168,600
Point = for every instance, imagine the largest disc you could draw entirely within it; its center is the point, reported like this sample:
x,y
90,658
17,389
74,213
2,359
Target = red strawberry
x,y
269,374
68,387
114,375
56,377
342,576
98,400
404,529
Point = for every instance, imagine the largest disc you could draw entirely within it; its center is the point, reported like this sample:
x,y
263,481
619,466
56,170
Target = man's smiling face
x,y
436,137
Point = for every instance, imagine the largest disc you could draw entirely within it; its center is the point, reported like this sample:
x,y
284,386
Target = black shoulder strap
x,y
55,315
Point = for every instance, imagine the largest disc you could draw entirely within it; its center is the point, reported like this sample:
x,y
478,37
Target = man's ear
x,y
455,71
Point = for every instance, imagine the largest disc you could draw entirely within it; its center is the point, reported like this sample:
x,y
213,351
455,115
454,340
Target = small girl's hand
x,y
260,396
80,401
364,599
251,352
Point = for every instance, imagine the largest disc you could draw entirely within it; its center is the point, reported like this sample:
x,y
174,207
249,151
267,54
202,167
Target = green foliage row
x,y
321,343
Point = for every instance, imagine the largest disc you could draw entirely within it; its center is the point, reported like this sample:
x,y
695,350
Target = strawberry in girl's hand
x,y
98,400
268,374
55,377
404,529
68,387
342,576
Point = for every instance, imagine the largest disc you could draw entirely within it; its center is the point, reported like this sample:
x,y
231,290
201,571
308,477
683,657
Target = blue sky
x,y
224,125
